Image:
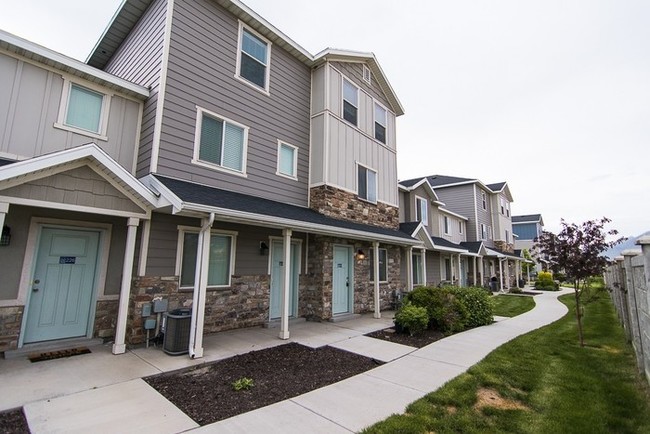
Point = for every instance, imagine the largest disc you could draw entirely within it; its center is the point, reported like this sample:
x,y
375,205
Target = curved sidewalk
x,y
362,400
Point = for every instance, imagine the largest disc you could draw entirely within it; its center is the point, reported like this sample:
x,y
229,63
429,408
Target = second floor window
x,y
483,200
287,160
84,109
446,225
253,59
221,142
350,102
422,210
460,227
367,184
380,123
483,232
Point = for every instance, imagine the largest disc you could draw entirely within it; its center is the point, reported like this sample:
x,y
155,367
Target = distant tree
x,y
577,251
527,267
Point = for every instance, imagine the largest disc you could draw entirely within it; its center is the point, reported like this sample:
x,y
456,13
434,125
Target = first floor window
x,y
221,142
383,265
418,269
219,268
84,109
367,184
448,275
287,160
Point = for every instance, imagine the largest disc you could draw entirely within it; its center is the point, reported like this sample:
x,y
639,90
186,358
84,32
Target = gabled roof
x,y
131,11
419,232
496,187
188,197
475,247
444,181
447,246
529,218
491,251
40,54
52,163
422,182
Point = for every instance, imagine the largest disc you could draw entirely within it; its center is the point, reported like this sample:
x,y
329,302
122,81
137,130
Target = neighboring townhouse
x,y
526,229
443,258
270,173
487,209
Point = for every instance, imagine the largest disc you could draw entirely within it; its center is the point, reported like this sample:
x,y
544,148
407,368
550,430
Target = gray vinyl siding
x,y
12,256
163,243
433,268
460,200
201,72
30,98
317,164
139,59
404,211
318,100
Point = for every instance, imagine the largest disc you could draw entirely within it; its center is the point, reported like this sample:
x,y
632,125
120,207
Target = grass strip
x,y
542,382
512,305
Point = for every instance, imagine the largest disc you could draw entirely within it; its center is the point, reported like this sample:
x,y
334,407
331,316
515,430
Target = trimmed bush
x,y
413,319
545,282
479,305
446,312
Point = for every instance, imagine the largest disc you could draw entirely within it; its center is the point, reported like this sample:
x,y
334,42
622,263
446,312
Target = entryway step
x,y
345,317
274,324
44,347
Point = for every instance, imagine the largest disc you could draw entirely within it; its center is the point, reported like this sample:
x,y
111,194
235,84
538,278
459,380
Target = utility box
x,y
177,331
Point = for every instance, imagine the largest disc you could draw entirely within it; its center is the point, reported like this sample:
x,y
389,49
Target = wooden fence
x,y
628,281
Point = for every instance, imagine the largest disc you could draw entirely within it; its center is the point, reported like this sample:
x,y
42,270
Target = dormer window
x,y
350,102
253,59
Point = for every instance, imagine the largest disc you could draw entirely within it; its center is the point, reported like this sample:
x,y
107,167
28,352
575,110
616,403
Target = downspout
x,y
200,284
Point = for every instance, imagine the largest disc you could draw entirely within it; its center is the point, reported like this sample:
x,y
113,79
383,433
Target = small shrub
x,y
243,383
445,310
411,318
545,282
479,305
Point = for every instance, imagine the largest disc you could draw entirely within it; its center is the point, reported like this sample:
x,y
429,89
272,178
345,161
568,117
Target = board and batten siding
x,y
30,98
201,72
460,200
139,60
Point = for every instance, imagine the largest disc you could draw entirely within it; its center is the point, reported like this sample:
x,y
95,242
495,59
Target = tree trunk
x,y
578,312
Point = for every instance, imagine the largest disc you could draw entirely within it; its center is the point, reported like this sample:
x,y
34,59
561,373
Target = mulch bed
x,y
205,392
13,422
419,341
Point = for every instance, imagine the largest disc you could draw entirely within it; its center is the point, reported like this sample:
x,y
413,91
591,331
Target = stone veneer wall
x,y
504,247
105,319
11,319
244,304
316,297
340,204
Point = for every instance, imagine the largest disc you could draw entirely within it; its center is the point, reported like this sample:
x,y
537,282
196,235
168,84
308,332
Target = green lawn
x,y
546,383
512,305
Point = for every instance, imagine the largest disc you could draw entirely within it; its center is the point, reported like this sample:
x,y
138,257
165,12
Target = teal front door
x,y
62,286
277,279
341,280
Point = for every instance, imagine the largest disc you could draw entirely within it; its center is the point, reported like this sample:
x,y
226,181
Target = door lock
x,y
35,288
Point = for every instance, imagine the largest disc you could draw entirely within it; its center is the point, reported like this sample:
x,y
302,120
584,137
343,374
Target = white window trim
x,y
343,100
483,201
422,270
367,75
460,227
419,200
372,266
374,121
197,143
376,183
267,78
483,229
182,230
295,161
446,228
63,110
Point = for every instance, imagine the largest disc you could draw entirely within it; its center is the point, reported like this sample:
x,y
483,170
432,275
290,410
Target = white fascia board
x,y
491,252
449,249
456,184
446,211
426,239
90,150
58,58
166,196
264,220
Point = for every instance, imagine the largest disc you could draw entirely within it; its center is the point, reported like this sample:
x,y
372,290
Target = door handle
x,y
35,288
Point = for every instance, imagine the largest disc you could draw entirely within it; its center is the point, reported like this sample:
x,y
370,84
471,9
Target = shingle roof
x,y
4,162
217,198
409,227
441,180
411,182
526,218
472,246
445,243
496,186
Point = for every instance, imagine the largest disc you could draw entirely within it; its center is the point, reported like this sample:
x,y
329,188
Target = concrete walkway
x,y
104,393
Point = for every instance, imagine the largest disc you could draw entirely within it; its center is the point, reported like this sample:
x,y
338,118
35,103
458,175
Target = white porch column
x,y
482,273
500,274
409,269
375,264
4,210
475,283
286,283
517,272
200,287
424,267
458,271
144,247
119,347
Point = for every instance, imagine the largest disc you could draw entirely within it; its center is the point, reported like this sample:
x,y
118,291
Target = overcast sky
x,y
552,96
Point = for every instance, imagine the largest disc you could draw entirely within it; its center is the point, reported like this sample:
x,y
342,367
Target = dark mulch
x,y
418,341
13,422
205,392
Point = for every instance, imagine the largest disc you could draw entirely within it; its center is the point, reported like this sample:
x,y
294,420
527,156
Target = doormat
x,y
51,355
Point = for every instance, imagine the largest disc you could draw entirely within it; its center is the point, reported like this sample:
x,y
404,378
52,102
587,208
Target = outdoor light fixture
x,y
360,255
263,248
6,236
